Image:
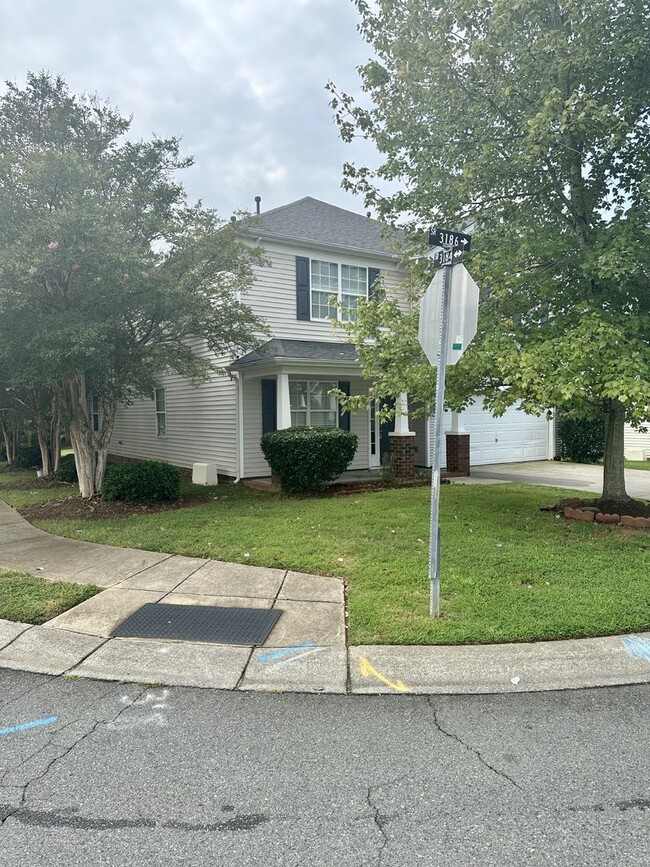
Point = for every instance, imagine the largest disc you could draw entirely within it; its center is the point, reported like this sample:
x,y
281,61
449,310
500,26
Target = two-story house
x,y
315,251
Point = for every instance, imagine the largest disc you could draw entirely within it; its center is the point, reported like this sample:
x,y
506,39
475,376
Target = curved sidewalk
x,y
305,652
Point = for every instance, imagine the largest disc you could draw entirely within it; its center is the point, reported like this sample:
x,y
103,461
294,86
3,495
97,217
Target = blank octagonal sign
x,y
463,315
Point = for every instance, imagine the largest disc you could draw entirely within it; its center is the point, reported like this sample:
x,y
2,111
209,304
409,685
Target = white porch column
x,y
455,427
402,414
284,402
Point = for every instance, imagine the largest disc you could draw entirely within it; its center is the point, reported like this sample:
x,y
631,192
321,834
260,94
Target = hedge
x,y
67,471
308,458
581,439
141,482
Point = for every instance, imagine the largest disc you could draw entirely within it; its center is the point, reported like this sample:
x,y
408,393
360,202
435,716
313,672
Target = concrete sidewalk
x,y
305,652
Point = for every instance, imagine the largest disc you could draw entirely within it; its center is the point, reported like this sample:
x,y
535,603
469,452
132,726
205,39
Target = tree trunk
x,y
85,460
10,438
55,435
41,433
613,464
90,448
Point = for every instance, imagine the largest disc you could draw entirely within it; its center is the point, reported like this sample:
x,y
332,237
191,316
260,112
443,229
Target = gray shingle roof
x,y
313,350
311,220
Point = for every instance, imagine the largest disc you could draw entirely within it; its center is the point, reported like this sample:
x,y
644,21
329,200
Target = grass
x,y
27,599
637,465
509,572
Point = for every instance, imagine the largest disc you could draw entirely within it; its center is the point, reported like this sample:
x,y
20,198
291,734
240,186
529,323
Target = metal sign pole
x,y
438,426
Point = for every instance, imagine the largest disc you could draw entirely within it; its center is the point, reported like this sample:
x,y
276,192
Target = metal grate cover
x,y
207,623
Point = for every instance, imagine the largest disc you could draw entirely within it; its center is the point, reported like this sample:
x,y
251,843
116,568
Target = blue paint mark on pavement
x,y
636,646
29,725
285,650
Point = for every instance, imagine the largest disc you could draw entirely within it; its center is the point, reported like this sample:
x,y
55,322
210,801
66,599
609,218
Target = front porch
x,y
291,383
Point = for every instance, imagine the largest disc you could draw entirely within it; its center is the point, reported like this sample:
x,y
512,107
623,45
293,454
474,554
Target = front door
x,y
379,439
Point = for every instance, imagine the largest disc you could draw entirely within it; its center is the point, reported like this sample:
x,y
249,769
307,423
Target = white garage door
x,y
513,437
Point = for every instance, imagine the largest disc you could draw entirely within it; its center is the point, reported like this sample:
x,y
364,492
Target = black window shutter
x,y
269,405
344,416
302,288
373,284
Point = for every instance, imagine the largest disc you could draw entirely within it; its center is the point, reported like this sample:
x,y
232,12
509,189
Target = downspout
x,y
239,399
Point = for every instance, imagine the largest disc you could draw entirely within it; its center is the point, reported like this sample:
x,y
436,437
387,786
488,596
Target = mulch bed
x,y
36,485
631,513
95,509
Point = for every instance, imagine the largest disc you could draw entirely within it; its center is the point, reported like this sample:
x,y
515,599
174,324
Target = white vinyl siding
x,y
273,295
637,442
201,423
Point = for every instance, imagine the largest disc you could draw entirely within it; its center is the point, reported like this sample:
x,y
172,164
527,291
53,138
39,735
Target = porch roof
x,y
299,350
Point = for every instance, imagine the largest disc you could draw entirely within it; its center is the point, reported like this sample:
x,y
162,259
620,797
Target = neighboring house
x,y
315,251
637,444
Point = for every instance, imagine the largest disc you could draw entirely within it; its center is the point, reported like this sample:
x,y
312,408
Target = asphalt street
x,y
97,773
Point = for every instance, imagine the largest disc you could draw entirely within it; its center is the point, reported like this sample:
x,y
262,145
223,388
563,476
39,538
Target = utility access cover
x,y
207,623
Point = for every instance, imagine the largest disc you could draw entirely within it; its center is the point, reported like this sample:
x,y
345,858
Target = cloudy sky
x,y
241,81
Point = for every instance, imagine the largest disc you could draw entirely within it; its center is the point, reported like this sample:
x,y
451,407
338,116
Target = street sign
x,y
446,257
448,315
463,314
445,238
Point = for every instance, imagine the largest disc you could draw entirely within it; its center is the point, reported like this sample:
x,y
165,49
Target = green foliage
x,y
141,482
581,439
308,458
29,457
526,124
509,571
108,274
67,471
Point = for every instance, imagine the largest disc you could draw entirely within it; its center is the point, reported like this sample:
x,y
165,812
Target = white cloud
x,y
242,83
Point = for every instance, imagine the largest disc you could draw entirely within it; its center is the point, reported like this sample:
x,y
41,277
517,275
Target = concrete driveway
x,y
583,477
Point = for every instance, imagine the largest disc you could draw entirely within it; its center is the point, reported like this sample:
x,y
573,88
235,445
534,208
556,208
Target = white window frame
x,y
340,311
93,409
308,410
161,414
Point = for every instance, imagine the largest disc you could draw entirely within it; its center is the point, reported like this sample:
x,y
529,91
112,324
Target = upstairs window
x,y
161,412
346,283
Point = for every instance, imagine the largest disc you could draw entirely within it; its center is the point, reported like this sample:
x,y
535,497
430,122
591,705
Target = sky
x,y
242,82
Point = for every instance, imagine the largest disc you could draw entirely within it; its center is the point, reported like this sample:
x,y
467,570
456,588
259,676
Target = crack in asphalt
x,y
380,820
15,698
7,811
470,749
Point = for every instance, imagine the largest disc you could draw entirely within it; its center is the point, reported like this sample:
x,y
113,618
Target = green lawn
x,y
33,600
509,571
637,465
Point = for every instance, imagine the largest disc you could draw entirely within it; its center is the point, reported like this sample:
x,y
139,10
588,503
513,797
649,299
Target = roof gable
x,y
317,222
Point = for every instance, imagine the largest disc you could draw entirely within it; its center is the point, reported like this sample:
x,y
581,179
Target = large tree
x,y
529,122
108,276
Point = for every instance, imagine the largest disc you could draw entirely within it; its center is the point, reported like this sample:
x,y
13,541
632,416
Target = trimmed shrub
x,y
141,482
67,471
308,458
581,439
28,458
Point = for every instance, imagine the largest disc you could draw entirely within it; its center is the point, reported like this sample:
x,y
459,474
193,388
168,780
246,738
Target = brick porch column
x,y
458,453
402,454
